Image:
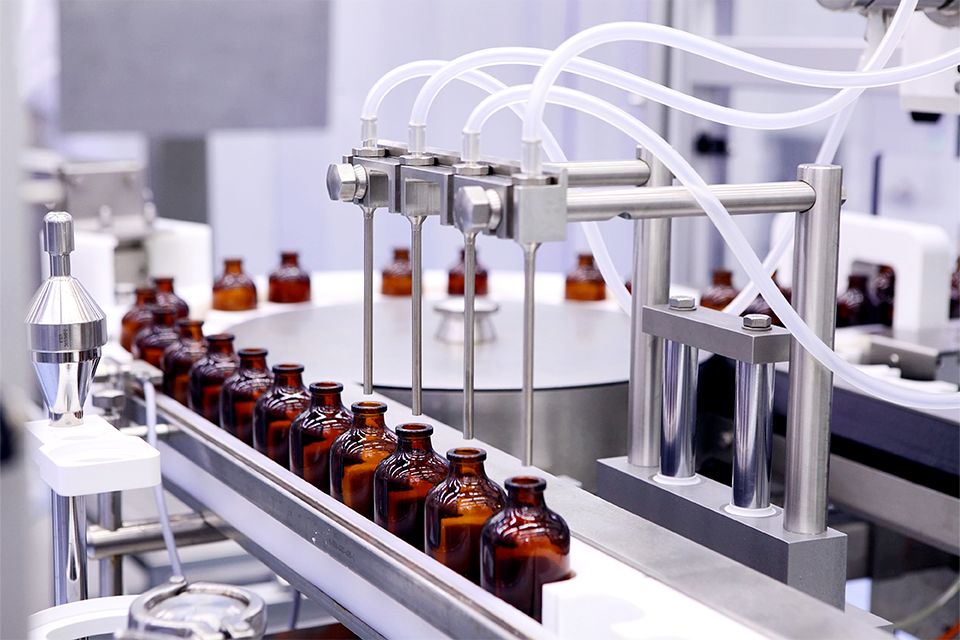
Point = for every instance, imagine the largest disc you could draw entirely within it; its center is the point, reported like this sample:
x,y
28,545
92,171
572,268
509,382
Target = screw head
x,y
473,210
342,182
109,399
683,303
757,321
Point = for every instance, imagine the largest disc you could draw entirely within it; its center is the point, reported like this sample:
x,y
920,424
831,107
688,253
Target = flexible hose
x,y
943,599
150,400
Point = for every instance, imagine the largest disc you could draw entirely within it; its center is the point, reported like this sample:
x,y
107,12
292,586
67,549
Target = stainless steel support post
x,y
69,549
368,300
469,329
677,450
111,568
651,285
811,384
529,271
416,307
753,435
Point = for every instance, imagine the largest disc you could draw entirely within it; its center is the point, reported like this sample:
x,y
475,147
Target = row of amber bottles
x,y
140,315
397,276
236,291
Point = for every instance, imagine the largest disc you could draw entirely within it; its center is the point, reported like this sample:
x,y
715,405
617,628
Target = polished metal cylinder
x,y
611,173
416,309
143,537
69,549
651,285
753,435
368,300
111,567
815,256
678,439
469,329
529,272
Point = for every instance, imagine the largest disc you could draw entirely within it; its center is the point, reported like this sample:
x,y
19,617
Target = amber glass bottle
x,y
139,316
313,432
884,285
955,292
179,357
585,282
457,275
240,392
288,282
167,298
403,480
398,275
154,338
234,290
208,374
721,292
355,454
456,510
854,306
524,547
276,409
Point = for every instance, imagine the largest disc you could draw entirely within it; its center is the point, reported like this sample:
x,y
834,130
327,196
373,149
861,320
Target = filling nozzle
x,y
66,328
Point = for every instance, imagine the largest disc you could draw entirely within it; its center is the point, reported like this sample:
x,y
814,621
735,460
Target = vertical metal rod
x,y
677,445
69,549
651,285
111,568
529,271
753,435
77,569
368,300
469,327
416,308
60,513
811,384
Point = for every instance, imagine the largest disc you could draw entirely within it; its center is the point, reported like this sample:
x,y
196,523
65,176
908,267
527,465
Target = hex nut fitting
x,y
346,182
683,303
757,322
476,209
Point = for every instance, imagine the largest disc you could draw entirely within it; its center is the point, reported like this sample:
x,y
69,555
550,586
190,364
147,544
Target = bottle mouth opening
x,y
288,368
328,387
414,430
221,337
368,407
466,454
254,352
526,482
163,280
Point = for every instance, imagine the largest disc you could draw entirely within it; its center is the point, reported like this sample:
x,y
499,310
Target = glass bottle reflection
x,y
167,297
139,316
457,275
402,481
585,281
276,409
179,357
240,392
885,286
721,292
209,373
312,433
955,292
356,453
398,275
234,290
288,282
456,510
524,547
154,338
854,306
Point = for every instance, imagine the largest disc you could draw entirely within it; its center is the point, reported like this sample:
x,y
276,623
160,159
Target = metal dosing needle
x,y
529,270
469,327
368,300
416,309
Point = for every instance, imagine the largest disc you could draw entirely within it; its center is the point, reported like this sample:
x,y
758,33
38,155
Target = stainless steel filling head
x,y
65,328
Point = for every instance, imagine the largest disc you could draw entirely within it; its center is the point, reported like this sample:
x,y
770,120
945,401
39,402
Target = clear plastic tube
x,y
150,400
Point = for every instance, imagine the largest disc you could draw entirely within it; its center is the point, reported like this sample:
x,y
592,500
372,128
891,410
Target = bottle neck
x,y
722,278
468,469
525,496
146,296
191,331
164,318
402,255
370,423
232,266
164,284
289,260
325,399
418,444
256,363
586,261
288,379
220,346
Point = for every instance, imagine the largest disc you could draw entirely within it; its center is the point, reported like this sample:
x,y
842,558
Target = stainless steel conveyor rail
x,y
304,535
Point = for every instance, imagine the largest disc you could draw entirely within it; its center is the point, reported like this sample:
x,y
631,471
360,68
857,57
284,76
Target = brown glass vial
x,y
585,282
167,297
456,278
240,392
403,480
276,409
884,285
208,375
157,336
356,453
234,290
524,547
854,306
139,316
398,275
721,292
456,510
289,283
312,433
179,357
955,292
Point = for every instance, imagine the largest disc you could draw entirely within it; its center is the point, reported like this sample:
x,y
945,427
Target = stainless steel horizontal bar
x,y
674,202
604,174
142,537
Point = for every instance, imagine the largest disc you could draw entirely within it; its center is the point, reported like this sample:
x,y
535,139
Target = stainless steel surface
x,y
529,305
717,332
66,329
477,210
675,202
815,565
346,182
757,322
678,440
107,195
368,300
816,247
69,549
469,329
416,313
604,173
651,285
142,537
537,213
753,434
920,355
427,190
109,516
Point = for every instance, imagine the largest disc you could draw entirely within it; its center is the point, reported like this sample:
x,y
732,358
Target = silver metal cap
x,y
683,303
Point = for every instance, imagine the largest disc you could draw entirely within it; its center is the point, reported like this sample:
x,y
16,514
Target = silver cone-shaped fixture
x,y
66,328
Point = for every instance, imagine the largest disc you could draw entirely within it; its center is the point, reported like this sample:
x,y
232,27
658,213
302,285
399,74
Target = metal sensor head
x,y
65,329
